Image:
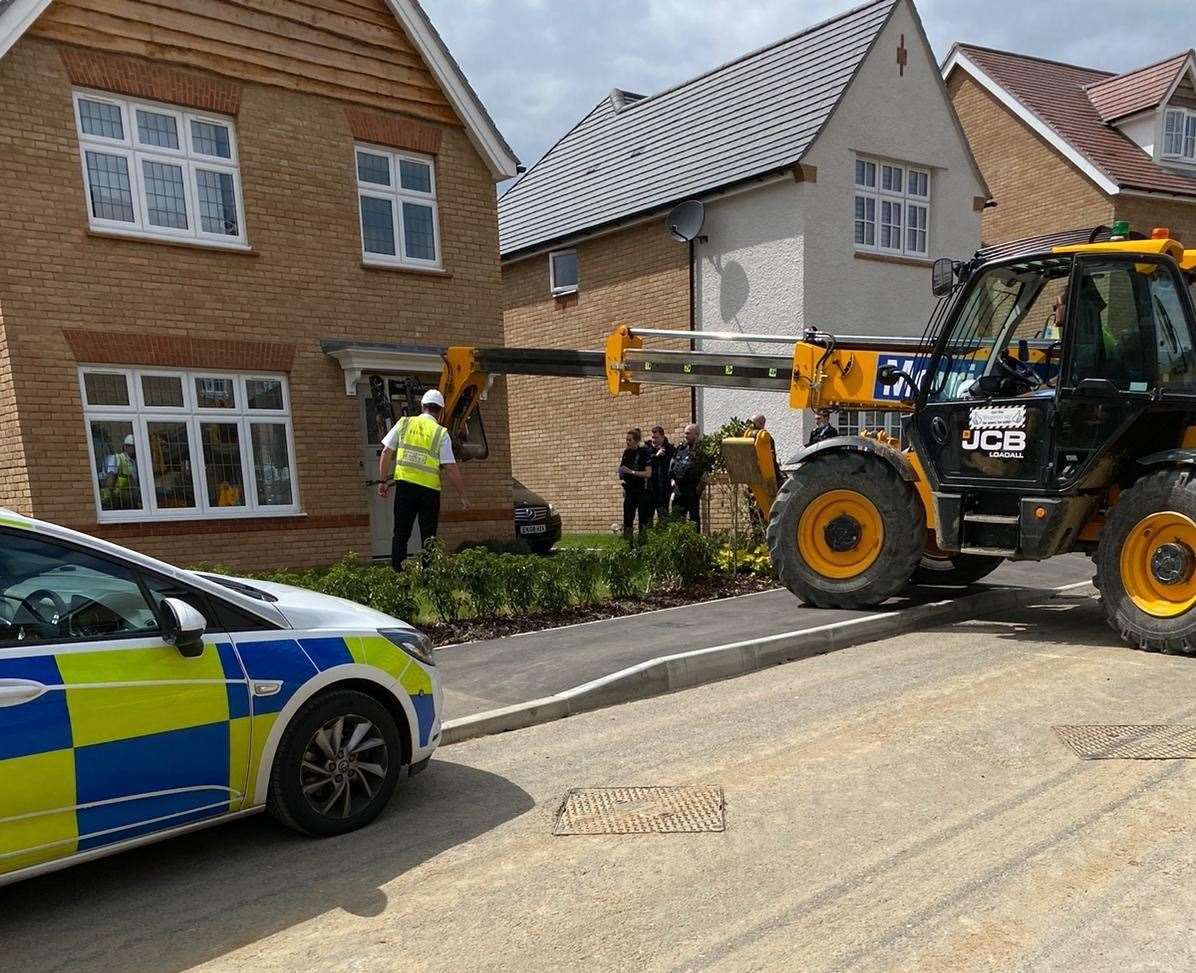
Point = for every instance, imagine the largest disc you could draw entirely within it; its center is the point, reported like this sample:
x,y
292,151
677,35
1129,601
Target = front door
x,y
106,732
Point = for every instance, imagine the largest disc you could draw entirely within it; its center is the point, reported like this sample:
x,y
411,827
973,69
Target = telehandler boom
x,y
1049,407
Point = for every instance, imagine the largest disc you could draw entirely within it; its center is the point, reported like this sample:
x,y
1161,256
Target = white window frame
x,y
1187,123
190,414
902,198
186,157
397,195
562,290
853,422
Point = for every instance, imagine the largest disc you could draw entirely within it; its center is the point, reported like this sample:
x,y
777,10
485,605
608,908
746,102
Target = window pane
x,y
1190,137
891,178
154,128
222,464
265,393
215,393
217,202
106,388
918,183
162,391
916,223
165,199
108,179
377,225
271,464
210,139
564,270
416,176
1172,338
865,173
890,225
419,236
865,221
373,168
116,465
101,118
170,459
1173,133
50,593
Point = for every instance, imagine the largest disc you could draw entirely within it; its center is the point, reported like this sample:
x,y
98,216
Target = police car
x,y
140,701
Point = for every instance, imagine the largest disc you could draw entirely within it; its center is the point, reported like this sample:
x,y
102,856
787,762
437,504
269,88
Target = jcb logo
x,y
999,442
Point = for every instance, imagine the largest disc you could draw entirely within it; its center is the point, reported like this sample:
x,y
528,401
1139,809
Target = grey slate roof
x,y
632,154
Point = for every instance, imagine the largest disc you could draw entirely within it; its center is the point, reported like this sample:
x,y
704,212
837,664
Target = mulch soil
x,y
482,629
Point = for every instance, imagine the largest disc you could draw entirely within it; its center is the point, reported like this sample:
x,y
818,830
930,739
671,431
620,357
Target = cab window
x,y
51,592
1131,328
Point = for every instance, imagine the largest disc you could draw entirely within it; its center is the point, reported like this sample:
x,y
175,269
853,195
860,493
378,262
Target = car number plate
x,y
534,529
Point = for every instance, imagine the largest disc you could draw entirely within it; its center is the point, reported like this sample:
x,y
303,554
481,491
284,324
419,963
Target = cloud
x,y
540,65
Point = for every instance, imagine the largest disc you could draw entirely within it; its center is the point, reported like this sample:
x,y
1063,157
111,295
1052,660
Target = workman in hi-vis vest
x,y
422,454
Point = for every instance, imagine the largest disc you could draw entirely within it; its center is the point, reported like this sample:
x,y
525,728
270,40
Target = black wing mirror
x,y
942,277
183,627
990,385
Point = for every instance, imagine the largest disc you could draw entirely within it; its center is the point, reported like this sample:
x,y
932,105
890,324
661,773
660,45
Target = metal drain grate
x,y
1158,742
641,810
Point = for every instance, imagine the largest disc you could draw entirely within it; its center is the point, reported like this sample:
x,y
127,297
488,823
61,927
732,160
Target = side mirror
x,y
183,627
1097,386
888,375
942,277
990,385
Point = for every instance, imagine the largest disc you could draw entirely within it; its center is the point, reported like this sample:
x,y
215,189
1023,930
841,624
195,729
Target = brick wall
x,y
567,434
1036,189
304,281
1145,214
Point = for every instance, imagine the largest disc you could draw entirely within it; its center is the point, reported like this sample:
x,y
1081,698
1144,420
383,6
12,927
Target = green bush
x,y
523,586
484,578
516,545
624,570
586,574
440,581
677,555
553,584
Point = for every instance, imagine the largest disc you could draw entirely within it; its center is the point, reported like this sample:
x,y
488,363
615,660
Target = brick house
x,y
832,170
219,219
1063,146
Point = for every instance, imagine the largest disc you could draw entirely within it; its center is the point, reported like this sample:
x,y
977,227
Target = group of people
x,y
659,476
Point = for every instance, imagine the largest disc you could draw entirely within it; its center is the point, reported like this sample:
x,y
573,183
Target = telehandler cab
x,y
1049,407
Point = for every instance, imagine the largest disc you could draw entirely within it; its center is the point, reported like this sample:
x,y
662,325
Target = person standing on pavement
x,y
662,460
635,471
688,472
422,454
823,428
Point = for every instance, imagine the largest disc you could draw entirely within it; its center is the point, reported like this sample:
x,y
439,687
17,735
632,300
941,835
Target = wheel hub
x,y
1171,563
344,764
843,534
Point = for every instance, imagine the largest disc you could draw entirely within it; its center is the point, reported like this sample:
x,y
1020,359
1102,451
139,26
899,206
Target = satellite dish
x,y
684,222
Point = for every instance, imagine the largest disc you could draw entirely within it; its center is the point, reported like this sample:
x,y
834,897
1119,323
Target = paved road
x,y
899,805
482,676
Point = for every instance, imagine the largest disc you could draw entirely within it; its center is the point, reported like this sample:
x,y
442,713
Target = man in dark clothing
x,y
661,486
635,470
688,472
823,429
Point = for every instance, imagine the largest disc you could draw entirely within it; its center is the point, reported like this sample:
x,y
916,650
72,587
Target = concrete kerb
x,y
685,670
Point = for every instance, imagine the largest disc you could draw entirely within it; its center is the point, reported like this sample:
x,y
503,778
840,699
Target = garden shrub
x,y
586,574
677,555
515,545
624,570
553,584
440,581
484,578
522,575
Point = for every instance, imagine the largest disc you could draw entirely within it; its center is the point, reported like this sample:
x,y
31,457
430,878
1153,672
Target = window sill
x,y
405,269
565,292
162,241
893,258
193,516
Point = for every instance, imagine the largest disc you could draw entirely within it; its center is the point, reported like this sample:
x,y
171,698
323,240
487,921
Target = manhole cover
x,y
1159,742
641,810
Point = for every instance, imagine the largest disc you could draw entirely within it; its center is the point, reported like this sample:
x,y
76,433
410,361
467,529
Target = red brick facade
x,y
69,296
567,434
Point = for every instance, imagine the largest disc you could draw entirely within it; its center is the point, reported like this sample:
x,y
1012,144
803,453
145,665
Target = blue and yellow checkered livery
x,y
128,741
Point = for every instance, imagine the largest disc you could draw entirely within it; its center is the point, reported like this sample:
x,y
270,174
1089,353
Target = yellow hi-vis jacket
x,y
417,460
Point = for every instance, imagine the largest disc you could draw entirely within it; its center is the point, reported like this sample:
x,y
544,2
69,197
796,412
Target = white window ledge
x,y
138,236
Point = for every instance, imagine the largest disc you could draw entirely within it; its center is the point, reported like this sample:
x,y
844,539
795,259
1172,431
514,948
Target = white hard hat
x,y
433,397
129,440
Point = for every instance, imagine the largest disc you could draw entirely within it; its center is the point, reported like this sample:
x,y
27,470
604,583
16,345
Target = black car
x,y
536,520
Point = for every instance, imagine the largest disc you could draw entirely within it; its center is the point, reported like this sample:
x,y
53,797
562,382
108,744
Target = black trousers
x,y
690,505
411,502
636,505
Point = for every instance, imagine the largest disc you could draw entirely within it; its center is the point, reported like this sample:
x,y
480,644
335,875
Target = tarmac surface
x,y
905,804
481,676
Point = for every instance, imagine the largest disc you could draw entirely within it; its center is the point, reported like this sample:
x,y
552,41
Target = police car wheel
x,y
337,766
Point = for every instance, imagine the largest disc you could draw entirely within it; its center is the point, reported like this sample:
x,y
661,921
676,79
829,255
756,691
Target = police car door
x,y
107,732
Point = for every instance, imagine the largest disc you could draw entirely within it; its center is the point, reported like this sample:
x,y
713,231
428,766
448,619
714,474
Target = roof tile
x,y
1135,91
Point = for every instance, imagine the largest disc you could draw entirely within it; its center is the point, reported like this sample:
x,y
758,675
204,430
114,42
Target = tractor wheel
x,y
1146,563
954,570
846,531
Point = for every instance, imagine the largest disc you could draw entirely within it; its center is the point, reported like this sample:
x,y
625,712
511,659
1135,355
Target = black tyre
x,y
846,531
337,765
954,570
1146,563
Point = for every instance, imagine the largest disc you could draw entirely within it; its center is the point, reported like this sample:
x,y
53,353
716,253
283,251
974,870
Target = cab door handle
x,y
15,692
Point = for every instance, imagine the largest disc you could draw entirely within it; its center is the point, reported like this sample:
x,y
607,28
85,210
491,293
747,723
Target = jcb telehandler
x,y
1049,407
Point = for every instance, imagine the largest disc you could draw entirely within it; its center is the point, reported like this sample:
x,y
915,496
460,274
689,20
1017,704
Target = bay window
x,y
891,208
155,171
400,223
171,445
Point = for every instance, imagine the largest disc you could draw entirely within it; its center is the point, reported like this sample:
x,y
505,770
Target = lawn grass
x,y
601,542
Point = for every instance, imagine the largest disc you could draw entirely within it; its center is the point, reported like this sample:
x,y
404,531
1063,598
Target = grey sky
x,y
539,65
